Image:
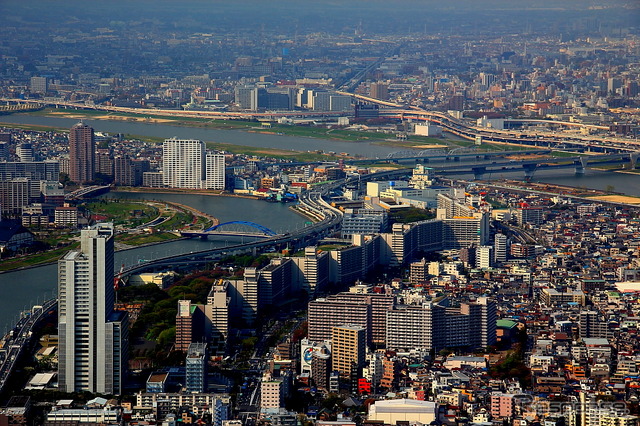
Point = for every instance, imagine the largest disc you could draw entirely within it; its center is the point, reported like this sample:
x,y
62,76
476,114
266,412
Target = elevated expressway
x,y
20,338
537,138
311,203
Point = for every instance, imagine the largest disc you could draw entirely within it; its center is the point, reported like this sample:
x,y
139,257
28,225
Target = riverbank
x,y
118,248
590,195
235,124
216,193
294,207
143,235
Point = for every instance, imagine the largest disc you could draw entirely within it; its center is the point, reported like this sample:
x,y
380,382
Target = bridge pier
x,y
203,237
581,164
478,172
633,159
529,171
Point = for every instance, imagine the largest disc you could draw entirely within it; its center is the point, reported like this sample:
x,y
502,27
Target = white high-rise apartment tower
x,y
214,175
93,337
182,163
186,164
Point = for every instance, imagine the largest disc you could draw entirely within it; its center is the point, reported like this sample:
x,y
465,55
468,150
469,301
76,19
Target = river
x,y
234,137
28,287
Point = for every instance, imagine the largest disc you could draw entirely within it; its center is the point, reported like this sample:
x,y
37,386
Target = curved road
x,y
311,203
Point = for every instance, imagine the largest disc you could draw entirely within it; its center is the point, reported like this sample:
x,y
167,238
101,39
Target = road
x,y
311,203
20,338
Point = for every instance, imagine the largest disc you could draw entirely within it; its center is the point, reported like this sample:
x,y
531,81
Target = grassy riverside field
x,y
414,142
255,126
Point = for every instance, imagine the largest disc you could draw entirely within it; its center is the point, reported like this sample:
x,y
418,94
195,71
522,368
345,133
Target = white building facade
x,y
186,164
93,338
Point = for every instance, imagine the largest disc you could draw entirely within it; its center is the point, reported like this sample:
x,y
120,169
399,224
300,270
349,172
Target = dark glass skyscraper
x,y
82,148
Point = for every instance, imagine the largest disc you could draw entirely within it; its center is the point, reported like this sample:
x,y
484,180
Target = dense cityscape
x,y
316,213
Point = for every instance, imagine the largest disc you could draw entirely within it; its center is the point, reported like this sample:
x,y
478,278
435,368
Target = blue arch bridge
x,y
236,228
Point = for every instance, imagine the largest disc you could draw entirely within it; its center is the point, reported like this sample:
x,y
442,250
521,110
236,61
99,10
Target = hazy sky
x,y
331,16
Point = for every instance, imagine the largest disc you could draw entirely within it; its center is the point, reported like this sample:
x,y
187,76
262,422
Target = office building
x,y
189,324
82,151
363,222
379,91
500,248
93,337
348,348
217,314
39,85
24,151
196,368
36,170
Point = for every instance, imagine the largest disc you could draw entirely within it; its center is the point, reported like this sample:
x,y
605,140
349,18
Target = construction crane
x,y
117,280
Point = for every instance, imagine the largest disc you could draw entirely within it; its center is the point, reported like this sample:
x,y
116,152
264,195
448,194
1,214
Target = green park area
x,y
53,243
411,214
126,213
153,333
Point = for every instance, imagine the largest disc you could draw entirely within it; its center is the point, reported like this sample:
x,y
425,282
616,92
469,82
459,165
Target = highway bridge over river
x,y
529,166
